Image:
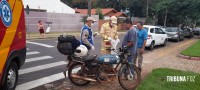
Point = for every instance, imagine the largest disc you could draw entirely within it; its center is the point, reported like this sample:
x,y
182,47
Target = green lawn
x,y
157,80
193,50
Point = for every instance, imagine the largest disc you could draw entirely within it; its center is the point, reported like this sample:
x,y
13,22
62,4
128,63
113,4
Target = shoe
x,y
140,69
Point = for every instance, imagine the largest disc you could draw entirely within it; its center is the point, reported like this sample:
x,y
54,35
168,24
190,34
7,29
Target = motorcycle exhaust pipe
x,y
80,77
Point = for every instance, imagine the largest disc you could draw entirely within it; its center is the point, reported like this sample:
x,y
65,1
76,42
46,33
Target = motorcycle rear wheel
x,y
75,69
127,79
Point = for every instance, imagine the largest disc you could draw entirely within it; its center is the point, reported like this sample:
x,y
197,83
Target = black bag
x,y
67,44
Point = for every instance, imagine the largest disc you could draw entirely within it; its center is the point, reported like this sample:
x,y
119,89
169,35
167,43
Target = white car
x,y
156,36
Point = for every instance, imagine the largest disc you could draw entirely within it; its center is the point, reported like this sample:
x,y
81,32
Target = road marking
x,y
40,44
41,67
27,49
38,58
42,81
31,53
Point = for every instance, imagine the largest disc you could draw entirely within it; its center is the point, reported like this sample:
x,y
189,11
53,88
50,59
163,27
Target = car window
x,y
171,29
158,31
152,30
161,31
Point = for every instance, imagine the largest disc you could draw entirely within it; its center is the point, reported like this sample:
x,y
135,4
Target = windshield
x,y
171,29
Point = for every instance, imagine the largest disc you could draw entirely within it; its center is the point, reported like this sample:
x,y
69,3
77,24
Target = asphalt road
x,y
44,64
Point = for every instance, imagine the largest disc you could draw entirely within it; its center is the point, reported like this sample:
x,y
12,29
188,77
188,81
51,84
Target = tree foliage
x,y
99,12
177,11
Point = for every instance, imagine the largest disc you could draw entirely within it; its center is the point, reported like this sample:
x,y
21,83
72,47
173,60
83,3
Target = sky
x,y
50,5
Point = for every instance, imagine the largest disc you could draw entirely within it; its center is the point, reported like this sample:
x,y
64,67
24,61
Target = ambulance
x,y
12,42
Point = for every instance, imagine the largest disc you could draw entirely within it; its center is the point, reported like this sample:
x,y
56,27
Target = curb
x,y
37,36
189,57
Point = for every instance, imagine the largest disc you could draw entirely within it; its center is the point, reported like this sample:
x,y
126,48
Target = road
x,y
44,64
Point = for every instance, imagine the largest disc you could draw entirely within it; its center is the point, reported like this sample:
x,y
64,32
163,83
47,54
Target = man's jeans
x,y
139,58
131,60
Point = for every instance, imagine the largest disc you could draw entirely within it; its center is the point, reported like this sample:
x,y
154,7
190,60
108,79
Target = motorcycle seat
x,y
89,58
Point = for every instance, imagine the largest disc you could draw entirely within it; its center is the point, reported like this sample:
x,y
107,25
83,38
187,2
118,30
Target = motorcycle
x,y
105,68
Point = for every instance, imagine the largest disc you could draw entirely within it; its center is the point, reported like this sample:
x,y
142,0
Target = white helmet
x,y
81,51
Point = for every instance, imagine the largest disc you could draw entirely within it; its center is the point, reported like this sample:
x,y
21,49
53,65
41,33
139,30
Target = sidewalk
x,y
31,36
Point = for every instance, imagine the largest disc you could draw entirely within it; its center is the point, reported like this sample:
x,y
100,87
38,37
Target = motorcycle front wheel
x,y
76,70
129,76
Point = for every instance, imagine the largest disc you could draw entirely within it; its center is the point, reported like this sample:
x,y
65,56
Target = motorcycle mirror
x,y
120,49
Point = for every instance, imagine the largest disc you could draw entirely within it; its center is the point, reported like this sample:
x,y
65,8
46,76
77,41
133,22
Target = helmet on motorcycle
x,y
81,51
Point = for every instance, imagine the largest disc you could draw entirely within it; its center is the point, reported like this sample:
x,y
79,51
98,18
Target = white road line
x,y
38,58
27,49
31,53
42,81
40,44
41,67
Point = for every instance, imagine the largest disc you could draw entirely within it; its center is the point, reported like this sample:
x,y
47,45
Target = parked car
x,y
188,32
174,33
196,31
156,36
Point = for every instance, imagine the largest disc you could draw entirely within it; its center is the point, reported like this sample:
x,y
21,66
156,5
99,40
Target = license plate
x,y
106,60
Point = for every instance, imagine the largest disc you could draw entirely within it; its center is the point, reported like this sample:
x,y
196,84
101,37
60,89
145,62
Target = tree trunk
x,y
147,9
165,18
89,7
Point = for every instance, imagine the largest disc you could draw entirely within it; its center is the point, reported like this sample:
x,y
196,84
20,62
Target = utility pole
x,y
147,9
165,18
89,7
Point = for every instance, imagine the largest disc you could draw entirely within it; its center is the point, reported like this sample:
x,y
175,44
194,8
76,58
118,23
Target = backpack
x,y
67,44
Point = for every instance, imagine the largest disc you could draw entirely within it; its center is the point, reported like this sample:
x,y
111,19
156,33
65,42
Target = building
x,y
55,6
107,12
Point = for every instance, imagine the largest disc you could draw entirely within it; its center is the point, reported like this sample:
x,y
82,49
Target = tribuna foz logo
x,y
181,78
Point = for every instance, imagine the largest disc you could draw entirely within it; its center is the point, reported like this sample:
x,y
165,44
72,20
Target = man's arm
x,y
132,36
84,38
130,44
145,39
144,43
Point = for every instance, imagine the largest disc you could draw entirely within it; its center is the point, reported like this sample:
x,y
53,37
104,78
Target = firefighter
x,y
108,30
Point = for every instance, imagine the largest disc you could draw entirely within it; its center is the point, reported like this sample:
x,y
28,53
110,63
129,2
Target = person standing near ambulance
x,y
108,30
87,34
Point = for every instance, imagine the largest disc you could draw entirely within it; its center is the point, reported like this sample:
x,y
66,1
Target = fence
x,y
60,21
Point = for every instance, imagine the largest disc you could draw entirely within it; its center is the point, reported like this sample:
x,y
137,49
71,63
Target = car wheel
x,y
183,38
165,42
151,46
11,77
178,39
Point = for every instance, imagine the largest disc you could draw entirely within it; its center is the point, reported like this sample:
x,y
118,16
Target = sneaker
x,y
140,69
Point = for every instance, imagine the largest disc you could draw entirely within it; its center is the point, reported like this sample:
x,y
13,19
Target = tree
x,y
84,19
98,12
175,12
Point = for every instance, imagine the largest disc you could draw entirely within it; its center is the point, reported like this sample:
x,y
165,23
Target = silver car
x,y
174,33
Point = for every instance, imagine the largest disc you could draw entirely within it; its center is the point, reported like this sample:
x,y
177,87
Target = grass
x,y
157,80
193,50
